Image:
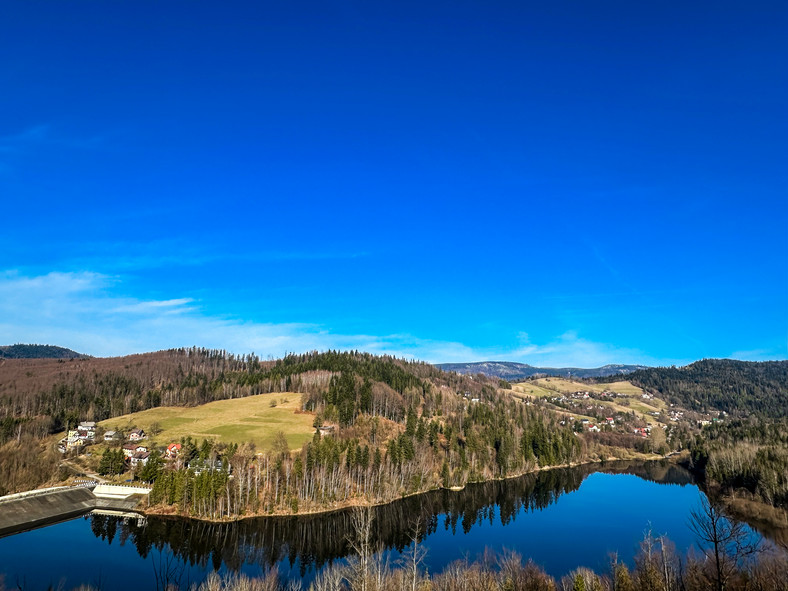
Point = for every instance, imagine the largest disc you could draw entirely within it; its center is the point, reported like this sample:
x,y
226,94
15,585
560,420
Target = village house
x,y
130,449
110,436
593,429
173,451
610,421
86,431
136,435
140,458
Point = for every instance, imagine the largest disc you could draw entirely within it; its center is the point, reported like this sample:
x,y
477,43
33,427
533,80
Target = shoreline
x,y
767,519
349,504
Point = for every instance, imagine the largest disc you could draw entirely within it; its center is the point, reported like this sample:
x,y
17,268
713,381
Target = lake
x,y
561,519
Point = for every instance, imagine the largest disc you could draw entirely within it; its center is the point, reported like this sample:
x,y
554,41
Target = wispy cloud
x,y
176,306
89,312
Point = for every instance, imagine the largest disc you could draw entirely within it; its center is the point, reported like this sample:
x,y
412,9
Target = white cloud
x,y
566,350
176,306
88,313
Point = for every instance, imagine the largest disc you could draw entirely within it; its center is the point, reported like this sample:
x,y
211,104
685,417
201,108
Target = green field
x,y
228,421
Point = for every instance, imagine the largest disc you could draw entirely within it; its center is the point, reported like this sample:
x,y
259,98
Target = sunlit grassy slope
x,y
569,386
229,421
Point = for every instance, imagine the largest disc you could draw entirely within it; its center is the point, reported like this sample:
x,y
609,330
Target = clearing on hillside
x,y
569,386
228,421
531,389
548,387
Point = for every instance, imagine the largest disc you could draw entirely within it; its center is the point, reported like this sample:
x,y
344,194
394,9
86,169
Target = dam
x,y
29,510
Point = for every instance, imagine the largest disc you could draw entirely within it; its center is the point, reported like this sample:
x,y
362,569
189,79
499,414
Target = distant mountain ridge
x,y
20,351
511,371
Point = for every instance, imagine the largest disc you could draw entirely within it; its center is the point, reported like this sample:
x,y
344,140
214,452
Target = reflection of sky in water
x,y
608,513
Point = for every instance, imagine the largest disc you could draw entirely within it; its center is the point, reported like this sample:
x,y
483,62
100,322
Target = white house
x,y
132,448
140,458
136,435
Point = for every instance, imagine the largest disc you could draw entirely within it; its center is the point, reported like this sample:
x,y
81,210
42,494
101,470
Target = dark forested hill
x,y
737,387
46,394
513,372
38,352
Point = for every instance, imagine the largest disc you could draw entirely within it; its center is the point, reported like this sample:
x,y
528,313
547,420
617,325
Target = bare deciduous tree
x,y
413,557
726,542
361,542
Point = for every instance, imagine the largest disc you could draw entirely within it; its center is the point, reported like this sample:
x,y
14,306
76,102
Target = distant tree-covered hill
x,y
513,372
38,352
737,387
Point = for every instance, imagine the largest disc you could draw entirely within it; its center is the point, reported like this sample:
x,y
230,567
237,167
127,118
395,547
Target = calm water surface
x,y
560,518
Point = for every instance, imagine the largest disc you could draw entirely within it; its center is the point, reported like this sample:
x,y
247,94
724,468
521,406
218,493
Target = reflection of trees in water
x,y
661,471
317,539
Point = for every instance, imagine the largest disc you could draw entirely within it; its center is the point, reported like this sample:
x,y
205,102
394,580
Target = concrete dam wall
x,y
26,511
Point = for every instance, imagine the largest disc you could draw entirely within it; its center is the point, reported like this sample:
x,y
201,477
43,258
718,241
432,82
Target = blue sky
x,y
556,183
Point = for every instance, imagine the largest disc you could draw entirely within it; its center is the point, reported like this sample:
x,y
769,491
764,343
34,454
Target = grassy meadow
x,y
252,418
569,386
